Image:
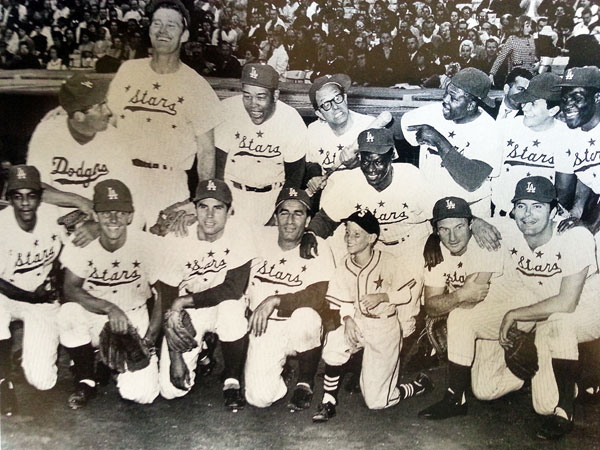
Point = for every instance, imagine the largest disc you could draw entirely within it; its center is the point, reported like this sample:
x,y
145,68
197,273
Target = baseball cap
x,y
80,92
542,86
538,188
23,177
376,140
112,195
341,79
451,208
291,193
172,4
213,188
588,76
475,82
260,75
366,220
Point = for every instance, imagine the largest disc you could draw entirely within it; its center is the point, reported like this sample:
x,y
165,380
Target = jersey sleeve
x,y
435,277
334,197
168,268
298,135
579,252
339,294
416,117
223,130
206,110
37,152
72,258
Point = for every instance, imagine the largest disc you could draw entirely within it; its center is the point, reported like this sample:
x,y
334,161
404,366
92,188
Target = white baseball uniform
x,y
581,155
26,262
280,272
474,140
256,155
525,153
324,146
162,115
380,328
122,277
196,266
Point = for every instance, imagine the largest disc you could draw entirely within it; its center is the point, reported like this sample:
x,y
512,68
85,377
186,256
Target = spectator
x,y
485,61
225,33
226,65
586,25
25,59
519,50
359,72
333,62
6,57
279,57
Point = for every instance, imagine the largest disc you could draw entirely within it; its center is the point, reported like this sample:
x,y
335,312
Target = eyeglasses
x,y
326,106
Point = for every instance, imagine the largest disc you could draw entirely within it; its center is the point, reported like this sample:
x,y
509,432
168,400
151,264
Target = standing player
x,y
211,270
287,293
166,111
109,280
30,245
337,127
454,153
367,289
260,146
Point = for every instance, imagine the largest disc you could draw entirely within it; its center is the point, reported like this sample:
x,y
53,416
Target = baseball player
x,y
544,281
260,146
211,269
367,289
337,127
455,154
32,242
528,142
287,300
166,111
110,280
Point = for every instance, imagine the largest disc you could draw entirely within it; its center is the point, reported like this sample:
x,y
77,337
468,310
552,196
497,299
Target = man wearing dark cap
x,y
367,290
337,127
209,271
30,246
166,111
548,279
529,142
110,280
260,146
455,155
287,300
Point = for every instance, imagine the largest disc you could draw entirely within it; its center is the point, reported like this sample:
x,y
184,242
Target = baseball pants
x,y
256,208
78,327
40,338
380,367
267,354
227,320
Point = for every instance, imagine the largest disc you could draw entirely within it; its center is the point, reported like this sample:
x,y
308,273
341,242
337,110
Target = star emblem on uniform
x,y
36,243
122,116
148,119
237,135
569,152
451,134
179,99
282,261
321,151
528,174
138,286
592,142
404,205
115,263
173,126
211,254
468,144
340,147
276,292
510,142
259,133
539,254
90,263
381,204
594,174
156,86
205,279
507,169
378,282
54,237
513,251
114,291
536,143
459,265
227,251
358,207
127,88
540,283
558,256
303,268
136,264
188,265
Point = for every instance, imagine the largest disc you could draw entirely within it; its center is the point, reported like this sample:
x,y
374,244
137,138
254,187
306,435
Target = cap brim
x,y
377,149
488,101
524,97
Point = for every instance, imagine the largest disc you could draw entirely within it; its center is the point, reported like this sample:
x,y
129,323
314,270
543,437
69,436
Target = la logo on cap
x,y
370,137
21,175
112,195
211,186
569,75
530,187
87,84
253,73
293,192
450,204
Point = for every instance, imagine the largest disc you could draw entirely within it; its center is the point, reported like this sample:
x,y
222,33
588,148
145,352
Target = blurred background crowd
x,y
378,43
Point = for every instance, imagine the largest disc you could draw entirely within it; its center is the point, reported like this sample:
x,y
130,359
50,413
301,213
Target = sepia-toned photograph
x,y
299,224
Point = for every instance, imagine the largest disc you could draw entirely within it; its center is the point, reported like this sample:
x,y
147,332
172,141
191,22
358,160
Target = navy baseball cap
x,y
261,75
588,76
538,188
542,86
112,195
376,140
23,177
366,220
292,193
213,188
342,80
81,92
451,208
475,82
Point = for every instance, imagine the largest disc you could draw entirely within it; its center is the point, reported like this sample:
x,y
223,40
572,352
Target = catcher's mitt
x,y
437,333
521,355
71,220
175,219
179,331
123,352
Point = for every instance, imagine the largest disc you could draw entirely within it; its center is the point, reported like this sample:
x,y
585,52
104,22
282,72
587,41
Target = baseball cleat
x,y
234,399
554,427
81,396
449,406
206,369
423,384
301,398
8,398
325,412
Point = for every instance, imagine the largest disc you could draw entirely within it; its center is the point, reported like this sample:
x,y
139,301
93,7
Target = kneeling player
x,y
211,269
367,289
110,280
30,245
285,294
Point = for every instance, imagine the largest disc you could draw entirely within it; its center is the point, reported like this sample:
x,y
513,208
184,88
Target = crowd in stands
x,y
378,43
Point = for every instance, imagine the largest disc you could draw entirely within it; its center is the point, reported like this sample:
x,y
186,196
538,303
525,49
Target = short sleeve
x,y
298,136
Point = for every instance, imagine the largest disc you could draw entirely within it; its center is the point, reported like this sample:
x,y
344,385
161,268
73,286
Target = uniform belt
x,y
243,187
380,317
150,165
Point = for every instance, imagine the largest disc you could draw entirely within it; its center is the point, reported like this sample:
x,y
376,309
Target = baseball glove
x,y
175,219
123,352
521,355
437,333
179,331
71,220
